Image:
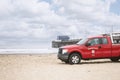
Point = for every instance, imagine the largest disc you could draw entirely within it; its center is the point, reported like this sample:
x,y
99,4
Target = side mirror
x,y
87,44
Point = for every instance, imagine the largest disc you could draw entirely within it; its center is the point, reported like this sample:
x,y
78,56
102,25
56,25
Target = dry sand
x,y
48,67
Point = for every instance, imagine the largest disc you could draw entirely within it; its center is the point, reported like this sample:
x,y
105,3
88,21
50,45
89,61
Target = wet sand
x,y
48,67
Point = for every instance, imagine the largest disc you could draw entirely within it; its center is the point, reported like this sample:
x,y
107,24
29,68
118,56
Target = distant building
x,y
63,40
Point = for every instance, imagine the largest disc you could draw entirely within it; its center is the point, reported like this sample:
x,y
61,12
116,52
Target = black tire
x,y
74,58
114,59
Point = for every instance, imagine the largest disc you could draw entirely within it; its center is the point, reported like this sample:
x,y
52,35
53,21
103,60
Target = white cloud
x,y
39,22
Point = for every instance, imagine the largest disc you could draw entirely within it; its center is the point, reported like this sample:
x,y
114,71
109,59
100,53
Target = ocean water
x,y
28,51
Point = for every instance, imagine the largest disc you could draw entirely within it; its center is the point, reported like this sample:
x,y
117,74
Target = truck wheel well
x,y
75,53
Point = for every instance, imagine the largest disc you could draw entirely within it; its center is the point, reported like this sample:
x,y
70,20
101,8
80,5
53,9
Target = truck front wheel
x,y
74,58
115,59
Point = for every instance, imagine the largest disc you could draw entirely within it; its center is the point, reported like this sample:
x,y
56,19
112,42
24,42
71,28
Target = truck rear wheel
x,y
114,59
74,58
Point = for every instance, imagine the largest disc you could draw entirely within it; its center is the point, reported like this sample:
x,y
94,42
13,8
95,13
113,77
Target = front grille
x,y
60,51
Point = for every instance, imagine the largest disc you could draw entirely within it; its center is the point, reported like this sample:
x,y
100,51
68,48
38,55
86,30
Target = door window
x,y
94,41
104,41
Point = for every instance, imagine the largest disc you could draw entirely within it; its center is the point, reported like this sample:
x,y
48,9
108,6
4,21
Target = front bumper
x,y
63,57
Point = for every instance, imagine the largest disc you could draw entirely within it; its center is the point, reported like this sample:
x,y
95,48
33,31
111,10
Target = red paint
x,y
107,50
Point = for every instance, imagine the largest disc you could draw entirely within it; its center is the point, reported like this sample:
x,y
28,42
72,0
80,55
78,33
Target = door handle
x,y
99,47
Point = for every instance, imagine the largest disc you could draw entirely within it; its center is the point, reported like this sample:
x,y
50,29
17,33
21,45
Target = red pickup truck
x,y
97,47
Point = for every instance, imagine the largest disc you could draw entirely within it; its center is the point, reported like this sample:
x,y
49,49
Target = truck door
x,y
106,48
98,48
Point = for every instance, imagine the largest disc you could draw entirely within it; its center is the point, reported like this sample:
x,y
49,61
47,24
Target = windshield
x,y
82,41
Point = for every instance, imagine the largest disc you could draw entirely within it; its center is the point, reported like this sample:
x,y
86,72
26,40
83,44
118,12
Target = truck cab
x,y
96,47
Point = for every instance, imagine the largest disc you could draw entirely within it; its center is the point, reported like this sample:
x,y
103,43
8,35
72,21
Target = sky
x,y
35,23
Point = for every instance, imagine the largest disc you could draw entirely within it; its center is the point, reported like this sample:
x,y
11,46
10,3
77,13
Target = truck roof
x,y
98,36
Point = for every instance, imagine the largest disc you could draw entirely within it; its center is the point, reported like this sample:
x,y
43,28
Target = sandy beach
x,y
48,67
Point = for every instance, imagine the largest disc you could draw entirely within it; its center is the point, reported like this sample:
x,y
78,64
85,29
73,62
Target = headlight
x,y
64,51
